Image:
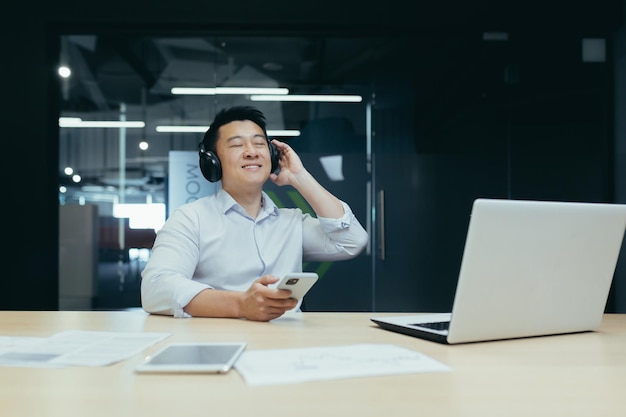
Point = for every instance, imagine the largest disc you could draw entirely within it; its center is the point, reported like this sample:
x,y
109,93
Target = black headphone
x,y
212,168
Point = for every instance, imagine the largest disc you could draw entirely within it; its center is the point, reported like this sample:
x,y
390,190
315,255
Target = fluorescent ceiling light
x,y
322,97
70,120
228,90
283,133
181,129
202,129
77,122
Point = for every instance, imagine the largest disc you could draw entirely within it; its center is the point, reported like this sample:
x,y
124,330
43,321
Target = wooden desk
x,y
569,375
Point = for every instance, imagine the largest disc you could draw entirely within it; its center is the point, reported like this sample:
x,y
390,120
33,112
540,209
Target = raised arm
x,y
293,172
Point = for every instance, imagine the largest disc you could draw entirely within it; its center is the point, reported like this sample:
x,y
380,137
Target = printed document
x,y
284,366
74,348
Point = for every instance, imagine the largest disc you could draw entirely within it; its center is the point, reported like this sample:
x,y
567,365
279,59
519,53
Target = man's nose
x,y
250,149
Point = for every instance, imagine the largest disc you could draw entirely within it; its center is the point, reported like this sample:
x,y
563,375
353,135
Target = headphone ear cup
x,y
274,156
210,165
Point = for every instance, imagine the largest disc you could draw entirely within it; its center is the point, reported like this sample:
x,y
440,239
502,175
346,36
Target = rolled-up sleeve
x,y
327,239
168,295
166,284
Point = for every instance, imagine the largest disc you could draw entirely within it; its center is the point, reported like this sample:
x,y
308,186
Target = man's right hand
x,y
263,303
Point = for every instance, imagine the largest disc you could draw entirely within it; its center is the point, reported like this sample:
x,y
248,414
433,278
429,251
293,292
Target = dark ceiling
x,y
141,70
126,65
452,64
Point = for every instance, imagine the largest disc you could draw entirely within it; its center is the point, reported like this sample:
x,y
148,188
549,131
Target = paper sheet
x,y
75,348
284,366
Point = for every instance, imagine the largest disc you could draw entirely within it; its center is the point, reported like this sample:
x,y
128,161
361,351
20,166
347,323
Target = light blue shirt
x,y
213,243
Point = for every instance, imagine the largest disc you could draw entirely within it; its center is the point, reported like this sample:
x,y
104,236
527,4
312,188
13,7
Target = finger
x,y
283,294
267,279
285,302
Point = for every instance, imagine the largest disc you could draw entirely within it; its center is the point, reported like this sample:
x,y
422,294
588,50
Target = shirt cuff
x,y
330,224
183,295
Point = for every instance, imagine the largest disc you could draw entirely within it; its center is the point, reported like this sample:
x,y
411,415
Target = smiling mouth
x,y
251,166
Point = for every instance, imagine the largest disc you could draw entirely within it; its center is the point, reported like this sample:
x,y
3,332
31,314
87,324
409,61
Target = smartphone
x,y
194,357
299,283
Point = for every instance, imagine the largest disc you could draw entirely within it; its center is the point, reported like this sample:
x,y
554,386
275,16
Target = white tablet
x,y
194,357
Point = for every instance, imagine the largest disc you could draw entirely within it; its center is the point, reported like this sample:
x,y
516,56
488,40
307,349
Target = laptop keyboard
x,y
437,325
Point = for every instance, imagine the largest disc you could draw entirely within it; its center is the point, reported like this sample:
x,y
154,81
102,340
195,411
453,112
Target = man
x,y
219,256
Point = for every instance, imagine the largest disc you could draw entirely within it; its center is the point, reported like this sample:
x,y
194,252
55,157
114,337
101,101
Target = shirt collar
x,y
227,202
269,207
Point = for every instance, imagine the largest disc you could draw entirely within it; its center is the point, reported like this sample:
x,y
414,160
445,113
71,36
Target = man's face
x,y
244,154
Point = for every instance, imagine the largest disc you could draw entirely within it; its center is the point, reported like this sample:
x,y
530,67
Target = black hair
x,y
228,115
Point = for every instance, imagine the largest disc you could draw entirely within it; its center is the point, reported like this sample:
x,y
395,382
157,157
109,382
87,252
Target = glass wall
x,y
428,123
134,109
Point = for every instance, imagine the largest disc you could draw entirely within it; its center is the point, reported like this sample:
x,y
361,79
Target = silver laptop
x,y
529,268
